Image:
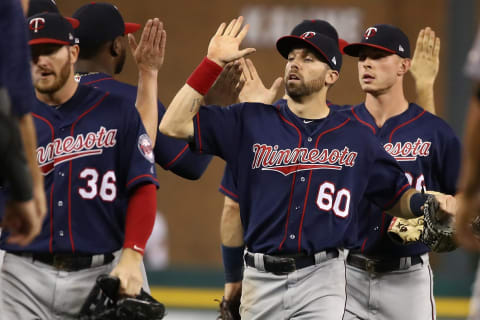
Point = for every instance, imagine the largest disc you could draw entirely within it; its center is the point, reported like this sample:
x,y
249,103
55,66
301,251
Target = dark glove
x,y
438,229
229,309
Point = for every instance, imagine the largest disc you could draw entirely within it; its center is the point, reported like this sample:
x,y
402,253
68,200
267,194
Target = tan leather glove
x,y
405,231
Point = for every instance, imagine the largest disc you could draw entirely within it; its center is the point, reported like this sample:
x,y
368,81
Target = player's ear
x,y
404,66
117,46
331,77
74,51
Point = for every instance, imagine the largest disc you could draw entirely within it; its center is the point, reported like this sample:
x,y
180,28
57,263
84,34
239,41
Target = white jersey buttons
x,y
292,236
60,203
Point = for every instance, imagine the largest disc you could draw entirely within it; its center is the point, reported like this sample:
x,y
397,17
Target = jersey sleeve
x,y
15,57
472,66
216,130
139,160
228,186
387,181
175,155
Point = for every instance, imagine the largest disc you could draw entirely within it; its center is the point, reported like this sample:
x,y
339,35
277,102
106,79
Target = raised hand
x,y
254,90
149,53
224,46
425,62
227,87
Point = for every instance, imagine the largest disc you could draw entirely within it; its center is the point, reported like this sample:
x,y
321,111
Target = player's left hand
x,y
426,61
129,273
149,53
254,90
21,219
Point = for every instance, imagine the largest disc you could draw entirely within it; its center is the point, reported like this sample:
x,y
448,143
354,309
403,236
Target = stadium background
x,y
193,278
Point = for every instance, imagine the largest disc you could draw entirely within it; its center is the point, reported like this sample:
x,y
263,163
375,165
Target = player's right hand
x,y
254,90
426,61
224,45
149,53
468,235
22,221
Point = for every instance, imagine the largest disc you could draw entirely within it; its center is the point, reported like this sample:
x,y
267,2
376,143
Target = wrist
x,y
417,200
216,60
424,83
233,263
131,256
204,76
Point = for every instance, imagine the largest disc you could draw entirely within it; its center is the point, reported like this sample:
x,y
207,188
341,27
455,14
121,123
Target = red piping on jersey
x,y
396,195
70,170
382,227
229,192
141,176
176,157
52,131
363,122
50,243
310,179
95,81
363,244
293,179
199,134
404,124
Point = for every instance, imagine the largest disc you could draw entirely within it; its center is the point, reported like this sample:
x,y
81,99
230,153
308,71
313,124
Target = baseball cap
x,y
101,22
319,26
40,6
384,37
318,36
50,27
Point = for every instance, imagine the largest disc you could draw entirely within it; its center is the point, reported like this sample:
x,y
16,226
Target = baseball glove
x,y
438,228
405,231
104,303
229,309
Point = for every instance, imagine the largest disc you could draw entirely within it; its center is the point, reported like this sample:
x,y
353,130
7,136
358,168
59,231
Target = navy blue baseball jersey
x,y
171,154
93,151
299,185
428,150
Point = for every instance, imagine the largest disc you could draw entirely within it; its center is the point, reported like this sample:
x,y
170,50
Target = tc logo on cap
x,y
370,32
37,24
308,35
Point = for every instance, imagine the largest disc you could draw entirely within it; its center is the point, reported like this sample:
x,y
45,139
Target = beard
x,y
58,82
297,91
120,62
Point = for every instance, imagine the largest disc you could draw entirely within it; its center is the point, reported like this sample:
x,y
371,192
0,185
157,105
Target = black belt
x,y
284,264
69,261
376,265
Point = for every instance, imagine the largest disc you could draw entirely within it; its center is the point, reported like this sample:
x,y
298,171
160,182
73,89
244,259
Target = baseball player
x,y
425,68
102,55
298,182
386,280
100,179
470,203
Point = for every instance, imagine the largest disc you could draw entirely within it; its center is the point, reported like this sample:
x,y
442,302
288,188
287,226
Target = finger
x,y
420,37
253,70
158,34
146,32
436,50
163,45
229,28
240,84
243,33
431,42
245,52
132,43
246,70
236,26
276,85
220,29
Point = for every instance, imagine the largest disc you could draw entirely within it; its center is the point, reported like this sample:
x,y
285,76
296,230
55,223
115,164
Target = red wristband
x,y
203,77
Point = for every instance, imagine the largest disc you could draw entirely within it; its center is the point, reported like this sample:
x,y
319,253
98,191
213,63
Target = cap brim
x,y
342,44
74,22
353,49
285,45
131,27
48,40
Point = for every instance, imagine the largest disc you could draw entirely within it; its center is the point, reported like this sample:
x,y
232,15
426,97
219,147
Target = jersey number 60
x,y
328,199
108,188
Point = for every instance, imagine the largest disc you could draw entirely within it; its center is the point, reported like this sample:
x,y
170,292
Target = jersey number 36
x,y
108,188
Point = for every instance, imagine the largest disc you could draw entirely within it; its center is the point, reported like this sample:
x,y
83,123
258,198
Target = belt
x,y
284,264
69,261
375,265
